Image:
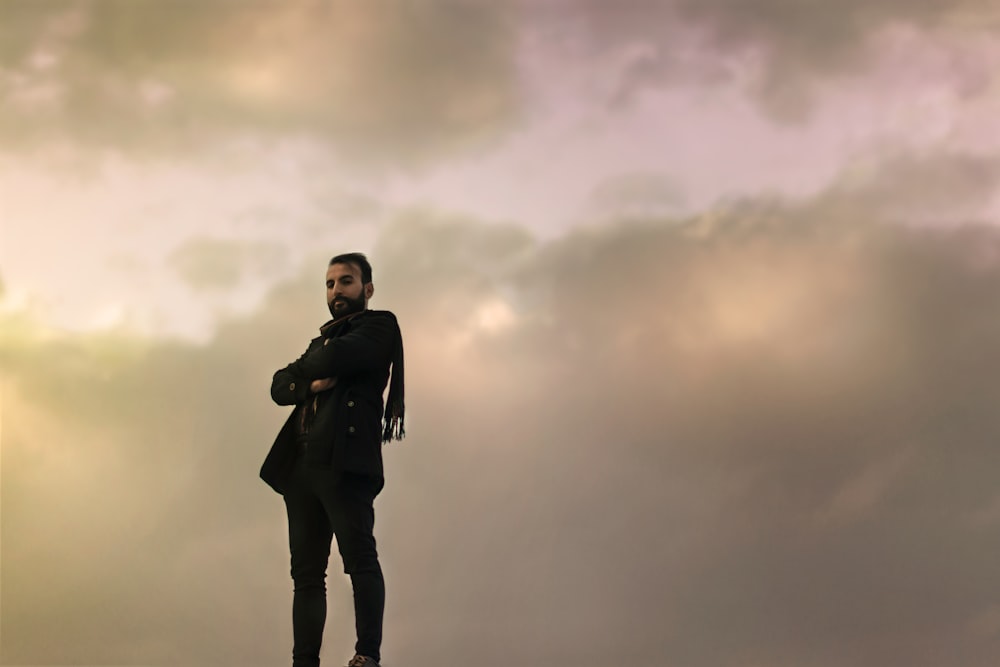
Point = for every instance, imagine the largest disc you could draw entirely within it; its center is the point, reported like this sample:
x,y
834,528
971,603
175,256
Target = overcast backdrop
x,y
700,303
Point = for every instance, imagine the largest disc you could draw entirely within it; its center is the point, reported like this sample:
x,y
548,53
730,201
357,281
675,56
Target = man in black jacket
x,y
327,458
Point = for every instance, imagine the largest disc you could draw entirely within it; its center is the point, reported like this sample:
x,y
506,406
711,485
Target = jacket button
x,y
350,404
292,386
325,342
350,429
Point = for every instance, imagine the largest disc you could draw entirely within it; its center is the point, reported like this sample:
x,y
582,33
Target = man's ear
x,y
369,290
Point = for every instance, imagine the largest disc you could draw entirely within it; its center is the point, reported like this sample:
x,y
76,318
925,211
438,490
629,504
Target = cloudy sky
x,y
699,300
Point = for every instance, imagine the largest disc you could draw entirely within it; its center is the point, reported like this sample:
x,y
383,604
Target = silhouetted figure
x,y
327,459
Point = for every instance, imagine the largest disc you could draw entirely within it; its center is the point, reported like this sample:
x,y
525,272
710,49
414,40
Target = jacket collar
x,y
340,320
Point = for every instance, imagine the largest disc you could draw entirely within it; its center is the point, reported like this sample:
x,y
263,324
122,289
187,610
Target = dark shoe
x,y
362,661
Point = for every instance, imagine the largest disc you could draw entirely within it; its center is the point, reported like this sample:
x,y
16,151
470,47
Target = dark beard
x,y
349,307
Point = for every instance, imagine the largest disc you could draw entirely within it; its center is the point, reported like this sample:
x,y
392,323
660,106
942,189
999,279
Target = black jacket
x,y
343,425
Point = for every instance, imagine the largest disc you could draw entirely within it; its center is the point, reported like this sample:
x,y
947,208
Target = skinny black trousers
x,y
321,505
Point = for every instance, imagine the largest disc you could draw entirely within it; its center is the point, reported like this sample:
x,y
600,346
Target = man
x,y
327,459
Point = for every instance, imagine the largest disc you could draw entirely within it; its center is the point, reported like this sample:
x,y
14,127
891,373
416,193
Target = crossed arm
x,y
289,387
367,348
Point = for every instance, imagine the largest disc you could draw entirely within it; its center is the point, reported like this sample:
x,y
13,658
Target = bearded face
x,y
345,292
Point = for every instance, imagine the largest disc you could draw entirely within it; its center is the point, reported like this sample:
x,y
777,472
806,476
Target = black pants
x,y
322,504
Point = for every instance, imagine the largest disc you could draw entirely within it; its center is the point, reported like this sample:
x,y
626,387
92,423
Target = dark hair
x,y
357,259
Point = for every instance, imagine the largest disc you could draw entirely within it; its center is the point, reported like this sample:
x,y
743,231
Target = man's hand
x,y
316,386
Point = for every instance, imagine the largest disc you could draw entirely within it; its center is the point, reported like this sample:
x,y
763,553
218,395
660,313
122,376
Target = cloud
x,y
760,435
377,80
737,435
208,263
785,53
636,195
929,188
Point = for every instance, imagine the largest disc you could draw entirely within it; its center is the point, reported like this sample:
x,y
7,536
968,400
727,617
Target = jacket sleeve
x,y
288,387
369,346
